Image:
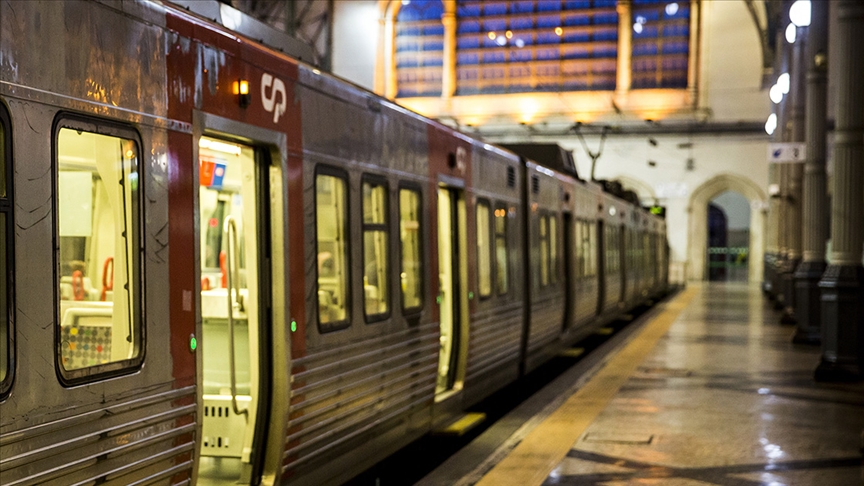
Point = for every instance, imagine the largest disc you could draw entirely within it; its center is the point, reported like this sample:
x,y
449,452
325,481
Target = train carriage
x,y
223,265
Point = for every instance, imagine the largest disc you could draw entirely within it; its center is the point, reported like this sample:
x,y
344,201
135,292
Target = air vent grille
x,y
535,184
511,177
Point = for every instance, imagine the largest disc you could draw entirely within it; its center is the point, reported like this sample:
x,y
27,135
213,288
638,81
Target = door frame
x,y
271,151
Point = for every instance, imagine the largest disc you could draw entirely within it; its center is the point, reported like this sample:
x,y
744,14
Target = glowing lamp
x,y
241,89
771,124
783,82
799,13
791,33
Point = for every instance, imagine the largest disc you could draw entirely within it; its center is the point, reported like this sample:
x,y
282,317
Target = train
x,y
224,266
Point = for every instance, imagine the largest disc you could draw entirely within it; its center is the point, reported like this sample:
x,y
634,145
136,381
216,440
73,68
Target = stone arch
x,y
698,227
646,193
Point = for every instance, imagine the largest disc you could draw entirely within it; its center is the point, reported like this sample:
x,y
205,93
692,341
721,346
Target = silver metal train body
x,y
223,265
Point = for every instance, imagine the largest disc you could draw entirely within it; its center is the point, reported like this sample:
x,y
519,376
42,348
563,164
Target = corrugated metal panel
x,y
341,394
494,338
147,437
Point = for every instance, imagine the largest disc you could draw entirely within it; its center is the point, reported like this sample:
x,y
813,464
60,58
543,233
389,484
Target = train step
x,y
462,425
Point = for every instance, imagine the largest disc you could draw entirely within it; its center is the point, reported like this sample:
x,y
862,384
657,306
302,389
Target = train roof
x,y
549,155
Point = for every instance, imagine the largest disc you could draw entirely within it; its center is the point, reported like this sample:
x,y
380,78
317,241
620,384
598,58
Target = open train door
x,y
452,280
234,271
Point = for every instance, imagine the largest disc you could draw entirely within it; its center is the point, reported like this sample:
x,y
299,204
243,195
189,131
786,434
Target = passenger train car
x,y
223,265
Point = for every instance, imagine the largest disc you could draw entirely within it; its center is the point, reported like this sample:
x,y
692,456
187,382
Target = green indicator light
x,y
293,325
470,295
438,300
193,343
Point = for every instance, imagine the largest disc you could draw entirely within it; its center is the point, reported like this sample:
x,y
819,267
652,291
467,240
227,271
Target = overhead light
x,y
492,35
783,83
776,94
791,33
771,124
637,27
216,145
799,13
671,9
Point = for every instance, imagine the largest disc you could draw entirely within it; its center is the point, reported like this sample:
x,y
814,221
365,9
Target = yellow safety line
x,y
541,450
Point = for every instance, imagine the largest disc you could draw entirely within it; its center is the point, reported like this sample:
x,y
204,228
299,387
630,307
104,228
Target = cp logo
x,y
276,101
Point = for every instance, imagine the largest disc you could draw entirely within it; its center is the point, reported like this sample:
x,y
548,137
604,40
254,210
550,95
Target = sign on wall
x,y
785,153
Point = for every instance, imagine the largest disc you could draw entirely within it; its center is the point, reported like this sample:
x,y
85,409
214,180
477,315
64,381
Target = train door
x,y
600,255
233,240
569,284
452,279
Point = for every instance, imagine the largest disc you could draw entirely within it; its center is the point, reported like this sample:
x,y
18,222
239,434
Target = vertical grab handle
x,y
232,273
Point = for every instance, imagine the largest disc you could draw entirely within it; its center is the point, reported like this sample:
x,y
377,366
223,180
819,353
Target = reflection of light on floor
x,y
769,479
764,391
772,451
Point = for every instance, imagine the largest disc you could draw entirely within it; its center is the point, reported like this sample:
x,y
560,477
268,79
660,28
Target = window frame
x,y
504,236
111,128
7,206
412,312
329,170
385,227
481,201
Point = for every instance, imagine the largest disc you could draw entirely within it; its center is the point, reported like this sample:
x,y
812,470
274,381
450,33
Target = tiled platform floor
x,y
724,398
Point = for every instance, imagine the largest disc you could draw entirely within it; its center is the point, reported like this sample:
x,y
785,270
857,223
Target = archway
x,y
728,237
698,225
646,193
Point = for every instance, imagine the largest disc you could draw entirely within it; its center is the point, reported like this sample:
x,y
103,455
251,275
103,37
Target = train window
x,y
501,263
613,246
376,280
544,251
409,238
484,258
331,218
99,224
5,260
591,250
581,255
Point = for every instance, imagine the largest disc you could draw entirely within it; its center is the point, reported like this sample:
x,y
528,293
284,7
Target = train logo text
x,y
277,93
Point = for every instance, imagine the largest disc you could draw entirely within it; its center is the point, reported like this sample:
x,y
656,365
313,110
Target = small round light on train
x,y
293,325
244,87
612,211
193,343
130,154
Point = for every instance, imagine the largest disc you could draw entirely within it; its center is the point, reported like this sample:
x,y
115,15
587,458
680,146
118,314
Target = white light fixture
x,y
783,82
791,33
637,27
771,124
225,148
799,13
776,94
671,9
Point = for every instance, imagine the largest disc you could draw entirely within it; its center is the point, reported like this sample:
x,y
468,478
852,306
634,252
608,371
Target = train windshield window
x,y
5,263
331,216
484,259
376,281
99,245
409,237
501,266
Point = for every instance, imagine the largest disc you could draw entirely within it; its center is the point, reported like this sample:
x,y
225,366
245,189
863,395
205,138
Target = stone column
x,y
625,50
794,174
448,74
815,227
843,282
780,199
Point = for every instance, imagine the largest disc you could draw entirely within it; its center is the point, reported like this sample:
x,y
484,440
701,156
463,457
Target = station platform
x,y
709,389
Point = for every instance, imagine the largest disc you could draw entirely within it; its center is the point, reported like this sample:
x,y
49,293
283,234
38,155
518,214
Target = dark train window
x,y
484,245
376,268
553,248
544,250
6,260
411,275
613,249
501,261
331,221
99,280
